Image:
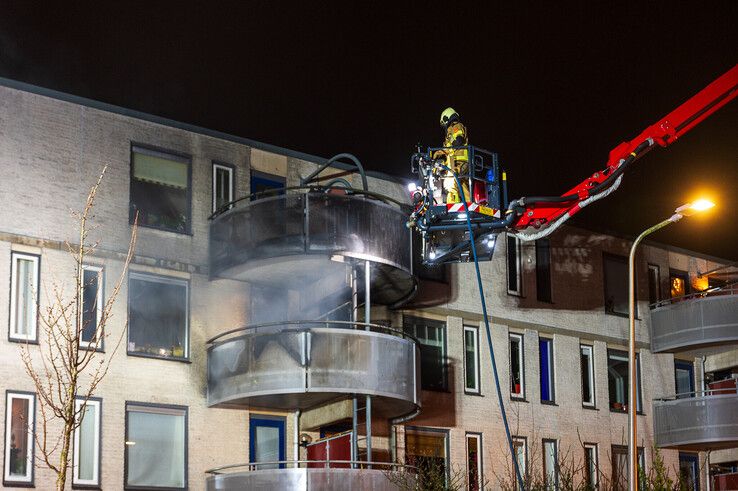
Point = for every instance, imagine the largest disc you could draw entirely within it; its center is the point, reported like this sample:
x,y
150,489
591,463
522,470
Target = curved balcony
x,y
302,236
308,475
703,420
695,321
301,364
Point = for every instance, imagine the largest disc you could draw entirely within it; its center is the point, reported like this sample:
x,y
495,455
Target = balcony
x,y
301,364
307,475
697,421
695,321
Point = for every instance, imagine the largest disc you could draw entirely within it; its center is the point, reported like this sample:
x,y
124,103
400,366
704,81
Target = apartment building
x,y
192,390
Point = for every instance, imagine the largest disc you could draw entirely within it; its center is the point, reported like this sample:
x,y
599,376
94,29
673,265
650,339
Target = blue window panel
x,y
265,182
547,376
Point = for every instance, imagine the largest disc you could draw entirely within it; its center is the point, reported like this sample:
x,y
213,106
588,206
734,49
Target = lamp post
x,y
681,212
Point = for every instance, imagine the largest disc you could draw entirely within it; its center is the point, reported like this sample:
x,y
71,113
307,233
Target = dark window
x,y
431,335
591,465
689,471
474,460
92,305
20,409
471,359
547,369
158,316
261,181
222,185
160,189
514,266
678,283
654,284
588,385
616,284
620,466
684,378
543,270
617,380
517,366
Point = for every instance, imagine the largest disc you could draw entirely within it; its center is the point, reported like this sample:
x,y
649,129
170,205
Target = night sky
x,y
550,86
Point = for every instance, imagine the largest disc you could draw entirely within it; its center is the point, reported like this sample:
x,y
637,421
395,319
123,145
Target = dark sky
x,y
551,86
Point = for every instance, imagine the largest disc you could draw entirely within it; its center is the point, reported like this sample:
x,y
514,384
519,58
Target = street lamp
x,y
685,210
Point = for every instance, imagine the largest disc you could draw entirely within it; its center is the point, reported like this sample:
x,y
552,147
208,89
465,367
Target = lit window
x,y
431,335
591,465
24,291
543,270
474,461
20,409
679,281
92,306
517,366
588,385
617,380
471,359
514,266
87,444
158,316
546,354
222,185
654,284
160,189
551,464
156,446
616,284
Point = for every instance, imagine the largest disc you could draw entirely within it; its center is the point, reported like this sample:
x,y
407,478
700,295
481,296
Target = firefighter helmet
x,y
448,116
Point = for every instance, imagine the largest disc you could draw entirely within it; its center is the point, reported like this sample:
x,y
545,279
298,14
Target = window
x,y
158,316
517,366
679,283
543,270
20,410
617,380
474,461
684,378
431,335
86,457
24,291
521,455
471,359
551,464
160,189
588,385
156,446
620,466
222,185
616,284
92,306
267,441
689,470
547,369
591,465
514,266
427,450
654,284
261,182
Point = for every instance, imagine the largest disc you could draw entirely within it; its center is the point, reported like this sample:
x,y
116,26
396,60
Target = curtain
x,y
156,449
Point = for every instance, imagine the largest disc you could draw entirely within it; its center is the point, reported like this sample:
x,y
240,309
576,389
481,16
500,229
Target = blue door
x,y
267,441
689,468
684,378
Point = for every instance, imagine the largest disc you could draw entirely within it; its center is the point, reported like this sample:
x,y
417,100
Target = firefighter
x,y
456,159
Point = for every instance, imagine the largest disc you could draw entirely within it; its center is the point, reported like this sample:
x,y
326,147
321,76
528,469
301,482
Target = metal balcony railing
x,y
696,320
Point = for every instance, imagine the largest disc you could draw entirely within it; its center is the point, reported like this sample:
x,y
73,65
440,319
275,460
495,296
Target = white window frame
x,y
480,464
229,170
477,385
596,460
555,484
30,444
590,374
524,466
518,265
521,357
35,260
98,307
97,404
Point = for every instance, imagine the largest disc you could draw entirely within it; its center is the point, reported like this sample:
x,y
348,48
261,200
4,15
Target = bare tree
x,y
63,369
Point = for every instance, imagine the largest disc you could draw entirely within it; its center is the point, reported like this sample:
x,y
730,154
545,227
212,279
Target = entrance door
x,y
689,468
267,441
684,378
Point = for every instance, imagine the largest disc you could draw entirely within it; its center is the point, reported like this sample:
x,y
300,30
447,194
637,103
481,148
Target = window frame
x,y
543,295
93,483
596,459
684,276
521,356
267,420
556,463
623,450
414,321
518,292
639,402
445,433
31,444
472,435
99,304
657,283
689,367
231,169
623,260
36,260
265,178
551,370
143,276
163,408
524,469
477,372
163,153
590,376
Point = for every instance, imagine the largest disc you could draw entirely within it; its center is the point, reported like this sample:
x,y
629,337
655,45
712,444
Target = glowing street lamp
x,y
685,210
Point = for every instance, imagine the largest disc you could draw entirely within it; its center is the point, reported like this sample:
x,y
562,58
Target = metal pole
x,y
355,404
368,319
632,372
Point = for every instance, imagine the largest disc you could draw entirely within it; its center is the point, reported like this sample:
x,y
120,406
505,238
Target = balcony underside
x,y
302,367
708,422
305,479
695,323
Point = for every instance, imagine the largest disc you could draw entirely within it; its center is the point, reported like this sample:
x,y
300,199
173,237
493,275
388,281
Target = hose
x,y
489,333
328,162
